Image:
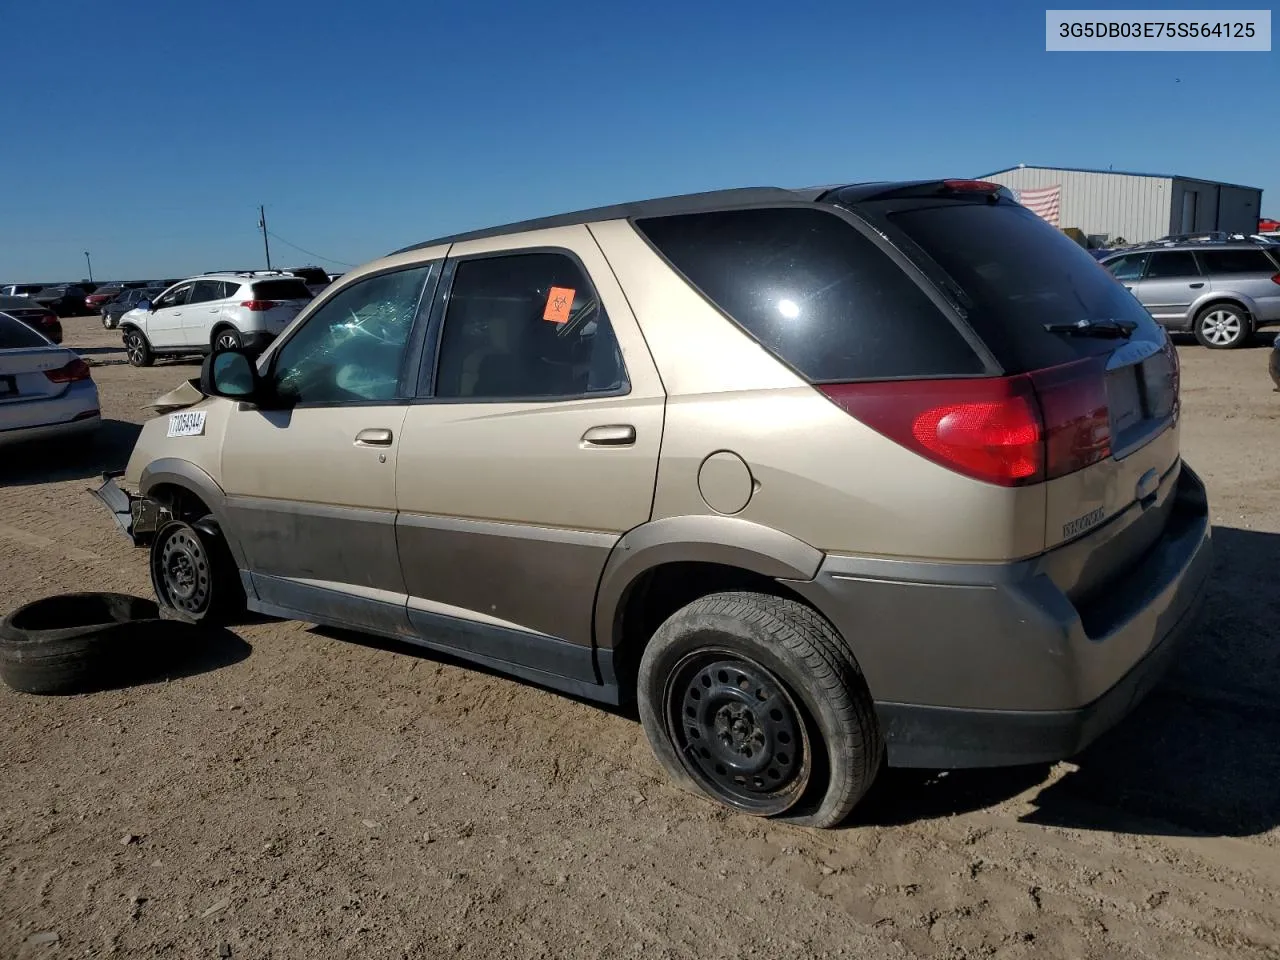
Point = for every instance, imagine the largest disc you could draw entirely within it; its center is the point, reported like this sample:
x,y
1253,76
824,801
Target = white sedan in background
x,y
46,391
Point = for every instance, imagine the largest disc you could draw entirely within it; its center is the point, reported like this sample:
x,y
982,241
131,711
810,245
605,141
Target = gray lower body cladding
x,y
990,665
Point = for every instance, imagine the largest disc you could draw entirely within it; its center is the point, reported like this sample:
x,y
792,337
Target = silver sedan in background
x,y
46,391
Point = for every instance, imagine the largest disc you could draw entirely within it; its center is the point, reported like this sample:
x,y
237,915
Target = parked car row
x,y
87,297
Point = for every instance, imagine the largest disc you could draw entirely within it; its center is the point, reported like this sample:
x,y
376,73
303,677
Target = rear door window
x,y
526,326
1219,262
1014,274
206,290
1167,264
815,292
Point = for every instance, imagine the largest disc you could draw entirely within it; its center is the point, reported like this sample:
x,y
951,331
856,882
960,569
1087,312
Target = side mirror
x,y
145,305
230,374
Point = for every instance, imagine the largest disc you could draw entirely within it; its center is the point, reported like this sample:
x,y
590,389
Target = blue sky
x,y
152,130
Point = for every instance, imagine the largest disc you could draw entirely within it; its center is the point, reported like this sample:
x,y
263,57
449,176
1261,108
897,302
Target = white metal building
x,y
1139,206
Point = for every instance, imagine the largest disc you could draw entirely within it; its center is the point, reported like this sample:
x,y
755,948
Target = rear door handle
x,y
374,437
1197,286
610,435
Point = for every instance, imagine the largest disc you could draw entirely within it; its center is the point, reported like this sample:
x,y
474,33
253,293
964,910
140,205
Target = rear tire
x,y
137,349
756,702
194,575
226,338
107,322
1222,326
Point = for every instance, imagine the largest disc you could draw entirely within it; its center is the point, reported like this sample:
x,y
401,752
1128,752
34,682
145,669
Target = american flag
x,y
1044,202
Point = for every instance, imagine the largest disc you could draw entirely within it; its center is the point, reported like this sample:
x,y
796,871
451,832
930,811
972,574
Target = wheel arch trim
x,y
727,541
187,476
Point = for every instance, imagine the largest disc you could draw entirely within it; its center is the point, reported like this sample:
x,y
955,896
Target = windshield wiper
x,y
1094,328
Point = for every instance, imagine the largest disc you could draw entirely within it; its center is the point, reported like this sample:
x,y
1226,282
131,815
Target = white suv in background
x,y
227,310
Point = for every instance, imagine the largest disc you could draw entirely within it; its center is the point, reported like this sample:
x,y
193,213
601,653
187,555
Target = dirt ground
x,y
297,793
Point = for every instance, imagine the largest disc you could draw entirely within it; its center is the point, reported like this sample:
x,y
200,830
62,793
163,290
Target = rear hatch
x,y
279,301
1103,374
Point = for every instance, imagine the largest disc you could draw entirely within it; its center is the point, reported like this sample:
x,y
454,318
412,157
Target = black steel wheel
x,y
756,701
182,571
738,731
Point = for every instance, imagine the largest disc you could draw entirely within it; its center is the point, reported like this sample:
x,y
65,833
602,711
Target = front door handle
x,y
610,435
374,437
1197,286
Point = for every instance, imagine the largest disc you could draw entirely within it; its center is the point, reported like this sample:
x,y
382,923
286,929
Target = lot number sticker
x,y
189,424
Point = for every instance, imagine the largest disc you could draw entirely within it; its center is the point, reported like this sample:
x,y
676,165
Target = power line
x,y
309,253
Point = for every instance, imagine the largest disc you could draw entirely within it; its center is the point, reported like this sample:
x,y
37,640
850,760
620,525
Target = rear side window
x,y
281,290
15,335
1236,261
1172,263
814,292
1018,273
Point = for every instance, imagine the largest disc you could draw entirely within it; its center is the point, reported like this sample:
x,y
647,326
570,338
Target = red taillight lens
x,y
1073,402
987,428
258,304
1276,278
75,370
1010,431
49,320
972,186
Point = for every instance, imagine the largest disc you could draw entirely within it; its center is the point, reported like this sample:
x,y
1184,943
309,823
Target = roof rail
x,y
246,273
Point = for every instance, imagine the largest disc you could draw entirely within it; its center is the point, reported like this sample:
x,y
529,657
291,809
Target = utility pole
x,y
90,264
262,222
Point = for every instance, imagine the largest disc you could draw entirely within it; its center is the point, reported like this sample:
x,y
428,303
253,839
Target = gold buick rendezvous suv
x,y
818,479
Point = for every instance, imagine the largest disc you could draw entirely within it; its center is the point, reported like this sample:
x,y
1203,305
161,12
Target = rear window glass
x,y
1236,261
815,292
281,290
1019,273
15,335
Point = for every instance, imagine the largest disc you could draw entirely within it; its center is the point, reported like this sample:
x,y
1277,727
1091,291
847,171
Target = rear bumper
x,y
991,665
51,431
255,341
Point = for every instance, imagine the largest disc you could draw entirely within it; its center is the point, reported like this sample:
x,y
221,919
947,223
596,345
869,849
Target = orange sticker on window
x,y
559,300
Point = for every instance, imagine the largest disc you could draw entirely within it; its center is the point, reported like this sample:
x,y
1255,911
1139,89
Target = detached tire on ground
x,y
756,701
75,642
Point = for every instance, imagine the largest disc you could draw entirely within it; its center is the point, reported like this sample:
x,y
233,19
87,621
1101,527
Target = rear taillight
x,y
258,304
49,320
77,369
1073,402
1276,278
1010,431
